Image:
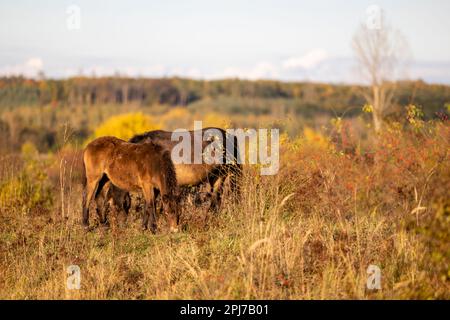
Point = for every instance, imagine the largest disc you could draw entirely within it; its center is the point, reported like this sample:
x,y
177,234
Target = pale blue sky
x,y
287,40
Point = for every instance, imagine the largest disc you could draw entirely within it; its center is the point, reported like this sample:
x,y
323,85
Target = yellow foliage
x,y
213,119
176,118
284,140
367,108
176,113
313,138
29,188
124,126
29,151
309,139
337,123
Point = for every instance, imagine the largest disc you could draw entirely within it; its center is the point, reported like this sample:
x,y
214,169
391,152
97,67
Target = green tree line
x,y
19,91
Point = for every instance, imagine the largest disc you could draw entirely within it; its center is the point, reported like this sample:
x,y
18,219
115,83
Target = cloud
x,y
262,70
157,70
34,63
30,68
152,70
307,61
194,73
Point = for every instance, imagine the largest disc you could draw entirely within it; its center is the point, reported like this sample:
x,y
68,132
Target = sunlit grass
x,y
309,232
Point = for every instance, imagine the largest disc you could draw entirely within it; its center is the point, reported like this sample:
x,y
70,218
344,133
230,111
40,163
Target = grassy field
x,y
309,232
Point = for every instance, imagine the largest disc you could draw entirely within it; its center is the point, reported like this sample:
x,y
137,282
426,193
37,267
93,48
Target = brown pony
x,y
131,167
214,175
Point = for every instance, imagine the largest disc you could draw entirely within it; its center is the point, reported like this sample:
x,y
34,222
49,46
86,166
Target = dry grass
x,y
309,232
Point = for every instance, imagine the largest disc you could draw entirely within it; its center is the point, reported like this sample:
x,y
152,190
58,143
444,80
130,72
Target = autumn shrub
x,y
175,118
124,126
28,189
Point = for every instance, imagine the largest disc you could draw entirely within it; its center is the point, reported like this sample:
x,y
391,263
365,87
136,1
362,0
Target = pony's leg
x,y
102,198
216,195
102,204
157,194
84,209
112,207
103,209
122,202
202,193
149,209
126,205
89,191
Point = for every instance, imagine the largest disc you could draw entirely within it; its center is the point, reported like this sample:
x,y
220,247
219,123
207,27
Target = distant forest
x,y
19,91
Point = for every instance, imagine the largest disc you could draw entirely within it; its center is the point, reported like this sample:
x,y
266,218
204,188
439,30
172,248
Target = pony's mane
x,y
138,138
146,135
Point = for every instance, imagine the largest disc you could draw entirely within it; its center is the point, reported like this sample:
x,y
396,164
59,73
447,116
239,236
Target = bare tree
x,y
381,54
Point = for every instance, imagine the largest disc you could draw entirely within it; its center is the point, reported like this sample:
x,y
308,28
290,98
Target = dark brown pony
x,y
193,174
131,167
